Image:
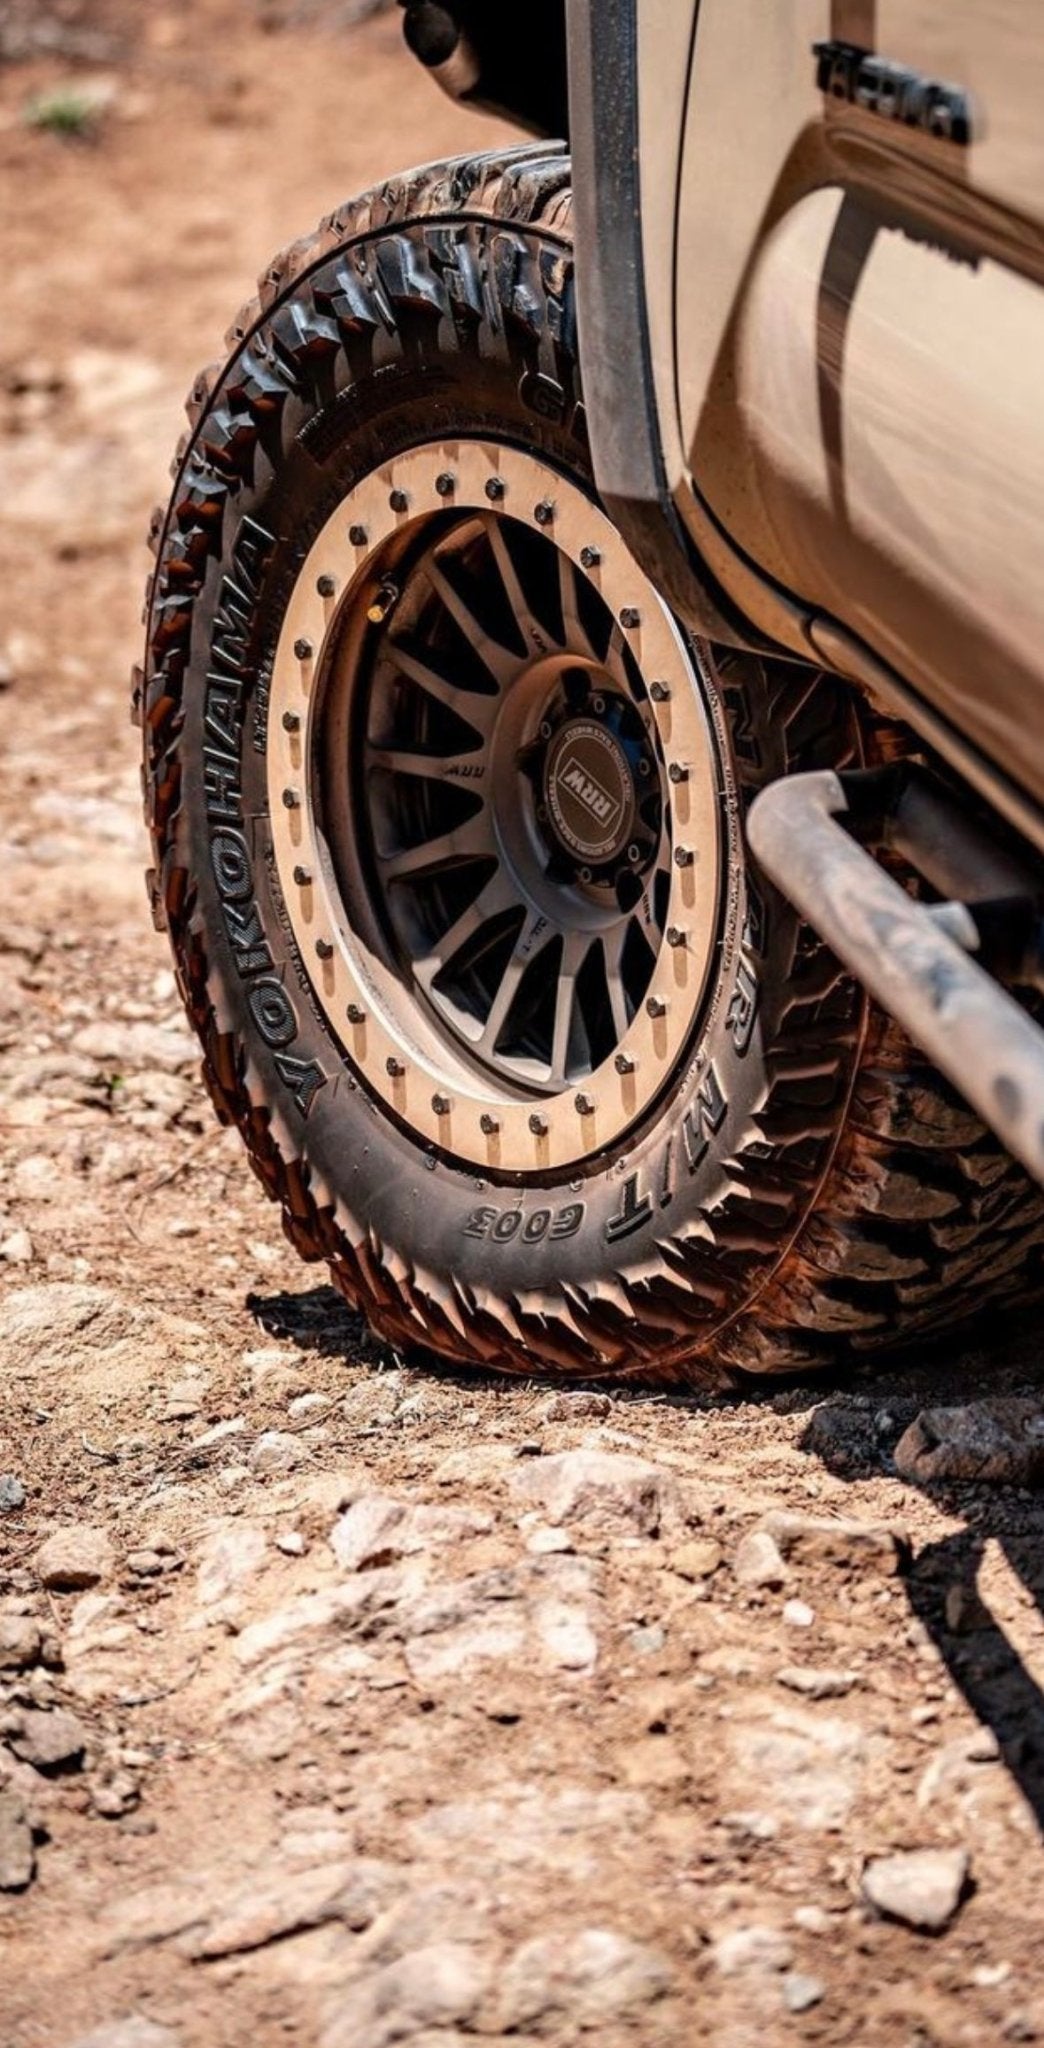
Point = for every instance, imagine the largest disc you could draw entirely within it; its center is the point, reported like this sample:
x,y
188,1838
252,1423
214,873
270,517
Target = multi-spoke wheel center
x,y
494,797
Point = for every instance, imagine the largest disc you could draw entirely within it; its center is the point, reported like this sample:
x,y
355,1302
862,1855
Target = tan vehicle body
x,y
847,339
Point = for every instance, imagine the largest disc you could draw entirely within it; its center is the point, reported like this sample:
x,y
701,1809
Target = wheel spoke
x,y
513,591
465,769
612,957
469,841
501,662
496,898
477,708
575,633
574,952
533,937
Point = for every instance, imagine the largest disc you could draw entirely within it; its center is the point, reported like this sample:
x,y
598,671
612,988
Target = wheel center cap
x,y
588,792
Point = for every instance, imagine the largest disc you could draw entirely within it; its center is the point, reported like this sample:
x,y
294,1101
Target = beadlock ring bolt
x,y
399,501
677,772
358,536
291,721
324,949
656,1006
441,1104
488,1125
630,616
659,692
584,1105
394,1069
326,586
445,484
538,1125
495,489
291,800
303,877
544,512
590,558
355,1015
624,1063
674,936
303,650
683,856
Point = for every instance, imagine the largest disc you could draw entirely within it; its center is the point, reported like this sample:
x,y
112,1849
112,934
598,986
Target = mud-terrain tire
x,y
723,1160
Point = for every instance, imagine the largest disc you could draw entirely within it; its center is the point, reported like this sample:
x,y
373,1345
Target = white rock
x,y
801,1992
758,1562
133,2032
606,1489
377,1529
434,1987
16,1248
276,1452
230,1558
798,1614
921,1887
581,1979
753,1951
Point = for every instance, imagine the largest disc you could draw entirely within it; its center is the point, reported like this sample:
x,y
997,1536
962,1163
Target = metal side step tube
x,y
905,955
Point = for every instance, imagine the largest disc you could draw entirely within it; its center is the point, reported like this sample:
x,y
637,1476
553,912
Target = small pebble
x,y
12,1493
800,1992
798,1614
292,1543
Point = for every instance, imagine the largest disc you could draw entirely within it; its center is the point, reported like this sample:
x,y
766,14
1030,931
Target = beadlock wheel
x,y
447,817
495,797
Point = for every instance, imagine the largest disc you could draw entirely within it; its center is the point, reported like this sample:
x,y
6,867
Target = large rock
x,y
378,1530
74,1558
291,1901
921,1887
605,1489
439,1986
49,1739
837,1540
997,1441
580,1979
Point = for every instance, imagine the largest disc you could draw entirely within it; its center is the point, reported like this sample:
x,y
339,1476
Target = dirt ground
x,y
342,1702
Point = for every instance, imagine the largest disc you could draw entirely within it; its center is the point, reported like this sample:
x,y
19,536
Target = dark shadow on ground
x,y
855,1437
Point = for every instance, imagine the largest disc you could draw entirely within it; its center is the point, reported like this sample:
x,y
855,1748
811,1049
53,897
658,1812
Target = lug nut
x,y
590,558
656,1006
358,536
495,489
674,936
394,1068
630,616
544,512
659,692
303,877
441,1104
324,949
677,772
623,1063
545,729
683,856
644,765
355,1015
399,502
445,484
584,1105
585,874
634,854
291,721
538,1126
326,586
291,800
303,650
598,705
488,1125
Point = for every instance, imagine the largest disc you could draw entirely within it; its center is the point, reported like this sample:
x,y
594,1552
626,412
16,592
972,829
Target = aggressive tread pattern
x,y
913,1202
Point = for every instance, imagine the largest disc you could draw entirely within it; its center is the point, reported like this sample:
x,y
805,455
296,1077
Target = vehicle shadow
x,y
855,1438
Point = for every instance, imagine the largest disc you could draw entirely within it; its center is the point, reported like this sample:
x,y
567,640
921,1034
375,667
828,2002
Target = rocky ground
x,y
342,1702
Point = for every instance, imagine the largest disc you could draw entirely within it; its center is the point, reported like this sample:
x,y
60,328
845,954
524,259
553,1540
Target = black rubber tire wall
x,y
809,1183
